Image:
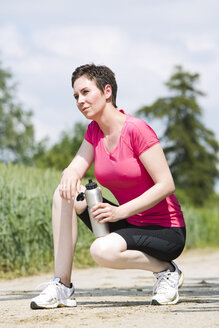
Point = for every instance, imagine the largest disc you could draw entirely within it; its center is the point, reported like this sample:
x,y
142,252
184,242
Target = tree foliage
x,y
16,129
191,149
61,153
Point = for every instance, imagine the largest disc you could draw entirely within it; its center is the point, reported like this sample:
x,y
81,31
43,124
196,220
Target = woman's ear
x,y
108,92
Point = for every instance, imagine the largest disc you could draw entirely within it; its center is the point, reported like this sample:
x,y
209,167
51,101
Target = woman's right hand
x,y
70,184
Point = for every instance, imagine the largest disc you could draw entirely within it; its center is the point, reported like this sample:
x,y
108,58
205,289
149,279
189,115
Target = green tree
x,y
16,129
191,149
61,153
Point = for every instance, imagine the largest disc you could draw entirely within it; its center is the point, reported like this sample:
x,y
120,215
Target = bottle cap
x,y
91,185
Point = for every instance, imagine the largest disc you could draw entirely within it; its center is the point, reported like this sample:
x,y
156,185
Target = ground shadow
x,y
203,293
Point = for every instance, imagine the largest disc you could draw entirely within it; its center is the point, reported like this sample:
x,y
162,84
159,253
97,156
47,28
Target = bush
x,y
202,226
26,244
25,218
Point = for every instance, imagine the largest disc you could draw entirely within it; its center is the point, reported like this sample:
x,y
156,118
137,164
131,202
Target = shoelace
x,y
55,289
43,285
49,287
163,281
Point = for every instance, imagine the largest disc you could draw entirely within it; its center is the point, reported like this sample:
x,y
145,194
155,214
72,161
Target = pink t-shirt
x,y
122,172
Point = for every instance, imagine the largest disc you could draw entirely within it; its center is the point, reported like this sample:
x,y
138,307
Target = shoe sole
x,y
174,301
62,303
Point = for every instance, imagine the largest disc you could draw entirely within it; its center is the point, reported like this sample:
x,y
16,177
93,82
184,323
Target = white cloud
x,y
76,41
12,42
141,42
197,42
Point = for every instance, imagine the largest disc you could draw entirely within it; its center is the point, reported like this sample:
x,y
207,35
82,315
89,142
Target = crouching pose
x,y
147,229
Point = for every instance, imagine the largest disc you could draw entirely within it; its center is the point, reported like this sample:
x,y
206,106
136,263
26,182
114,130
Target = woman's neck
x,y
111,120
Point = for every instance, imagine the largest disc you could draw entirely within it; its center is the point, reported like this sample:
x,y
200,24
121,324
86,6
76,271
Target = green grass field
x,y
26,245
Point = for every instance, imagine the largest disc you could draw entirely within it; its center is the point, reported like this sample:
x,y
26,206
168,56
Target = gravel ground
x,y
120,298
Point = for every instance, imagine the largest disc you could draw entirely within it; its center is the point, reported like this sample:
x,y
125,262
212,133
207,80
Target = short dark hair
x,y
102,75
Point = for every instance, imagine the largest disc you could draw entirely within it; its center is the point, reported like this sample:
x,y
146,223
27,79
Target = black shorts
x,y
163,243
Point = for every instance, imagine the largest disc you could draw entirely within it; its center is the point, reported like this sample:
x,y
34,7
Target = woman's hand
x,y
70,184
105,213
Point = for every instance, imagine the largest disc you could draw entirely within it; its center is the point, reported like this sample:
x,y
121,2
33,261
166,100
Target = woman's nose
x,y
80,99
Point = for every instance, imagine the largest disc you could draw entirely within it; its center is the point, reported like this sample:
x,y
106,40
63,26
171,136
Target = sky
x,y
43,41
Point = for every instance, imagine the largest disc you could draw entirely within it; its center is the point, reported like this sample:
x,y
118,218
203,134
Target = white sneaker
x,y
165,290
54,295
181,275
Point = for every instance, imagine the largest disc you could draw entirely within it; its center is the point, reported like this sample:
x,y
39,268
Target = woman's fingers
x,y
68,192
63,189
105,212
78,186
100,211
67,189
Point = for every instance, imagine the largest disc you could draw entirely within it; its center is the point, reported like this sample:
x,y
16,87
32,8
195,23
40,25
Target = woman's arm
x,y
72,175
156,165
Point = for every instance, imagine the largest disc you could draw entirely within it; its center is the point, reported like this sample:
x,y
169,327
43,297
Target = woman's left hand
x,y
105,213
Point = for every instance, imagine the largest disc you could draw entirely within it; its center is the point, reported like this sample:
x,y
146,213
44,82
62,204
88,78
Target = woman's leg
x,y
111,251
60,290
65,232
149,248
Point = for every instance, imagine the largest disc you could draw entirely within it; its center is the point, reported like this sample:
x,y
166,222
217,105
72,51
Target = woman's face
x,y
90,100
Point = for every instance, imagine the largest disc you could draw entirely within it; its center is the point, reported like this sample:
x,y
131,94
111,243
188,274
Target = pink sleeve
x,y
143,137
89,133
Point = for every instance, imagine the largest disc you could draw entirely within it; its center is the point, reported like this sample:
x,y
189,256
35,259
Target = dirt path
x,y
116,298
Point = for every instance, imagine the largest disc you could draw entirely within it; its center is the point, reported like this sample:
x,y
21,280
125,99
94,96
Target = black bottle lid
x,y
91,185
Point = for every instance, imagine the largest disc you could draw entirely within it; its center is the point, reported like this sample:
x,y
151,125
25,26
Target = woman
x,y
147,229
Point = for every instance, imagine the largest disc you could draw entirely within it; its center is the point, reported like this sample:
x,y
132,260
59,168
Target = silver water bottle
x,y
93,196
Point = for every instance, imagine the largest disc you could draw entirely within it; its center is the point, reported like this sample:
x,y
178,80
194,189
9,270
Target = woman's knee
x,y
79,206
99,251
105,250
61,204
